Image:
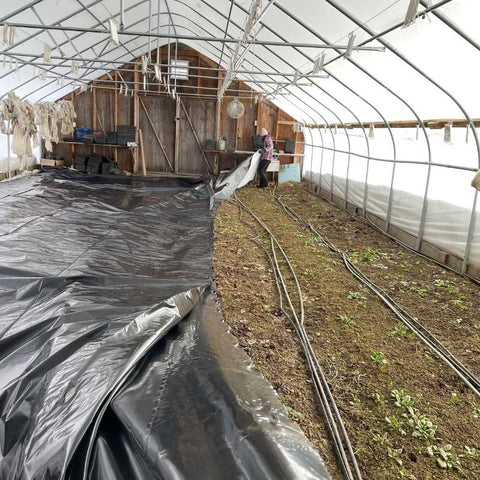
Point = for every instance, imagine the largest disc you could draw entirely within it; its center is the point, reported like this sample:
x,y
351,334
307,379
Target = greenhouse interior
x,y
239,239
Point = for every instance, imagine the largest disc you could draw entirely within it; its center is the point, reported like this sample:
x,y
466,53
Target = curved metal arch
x,y
30,37
400,55
421,123
74,80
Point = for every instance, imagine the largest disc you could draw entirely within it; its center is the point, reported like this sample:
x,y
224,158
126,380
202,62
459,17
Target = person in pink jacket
x,y
267,155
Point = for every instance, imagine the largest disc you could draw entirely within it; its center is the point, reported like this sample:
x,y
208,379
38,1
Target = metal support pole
x,y
122,15
471,233
423,215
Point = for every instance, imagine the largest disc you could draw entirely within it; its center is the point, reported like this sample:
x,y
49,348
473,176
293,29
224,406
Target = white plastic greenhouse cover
x,y
428,70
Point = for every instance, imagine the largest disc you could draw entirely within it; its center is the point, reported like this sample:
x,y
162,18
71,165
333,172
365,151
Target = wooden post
x,y
142,152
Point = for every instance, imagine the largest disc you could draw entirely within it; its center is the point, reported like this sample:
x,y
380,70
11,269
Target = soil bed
x,y
363,349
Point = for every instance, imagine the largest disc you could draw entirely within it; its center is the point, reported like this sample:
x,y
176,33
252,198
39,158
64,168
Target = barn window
x,y
179,69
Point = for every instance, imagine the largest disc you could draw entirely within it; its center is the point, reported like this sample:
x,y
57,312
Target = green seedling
x,y
469,452
370,255
347,320
421,292
403,475
476,411
310,273
379,398
394,453
382,440
378,357
459,303
422,426
293,413
362,303
446,458
355,296
401,331
402,400
396,424
454,398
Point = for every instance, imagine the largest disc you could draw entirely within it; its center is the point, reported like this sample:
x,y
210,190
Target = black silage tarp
x,y
114,363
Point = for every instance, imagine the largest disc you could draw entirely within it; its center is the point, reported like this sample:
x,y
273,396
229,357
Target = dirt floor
x,y
408,415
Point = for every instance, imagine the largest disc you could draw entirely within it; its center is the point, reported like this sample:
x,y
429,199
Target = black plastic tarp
x,y
114,362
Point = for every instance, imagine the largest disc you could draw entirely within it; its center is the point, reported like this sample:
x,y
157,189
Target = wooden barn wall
x,y
201,114
105,109
161,113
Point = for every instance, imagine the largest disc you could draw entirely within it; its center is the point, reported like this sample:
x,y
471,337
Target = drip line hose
x,y
408,247
422,332
341,443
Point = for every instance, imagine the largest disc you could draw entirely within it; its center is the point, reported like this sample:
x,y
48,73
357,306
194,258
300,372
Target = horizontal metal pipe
x,y
121,62
55,77
410,162
191,37
166,94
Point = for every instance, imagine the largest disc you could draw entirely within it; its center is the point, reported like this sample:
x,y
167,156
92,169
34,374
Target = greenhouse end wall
x,y
431,207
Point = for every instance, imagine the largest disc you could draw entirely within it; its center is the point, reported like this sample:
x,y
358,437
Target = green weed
x,y
349,322
446,458
396,424
370,255
402,399
378,357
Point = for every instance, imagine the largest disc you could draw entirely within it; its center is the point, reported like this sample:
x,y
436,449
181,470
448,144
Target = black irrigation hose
x,y
408,247
336,428
423,333
416,252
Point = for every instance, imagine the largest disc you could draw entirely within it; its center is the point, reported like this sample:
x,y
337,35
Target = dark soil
x,y
364,350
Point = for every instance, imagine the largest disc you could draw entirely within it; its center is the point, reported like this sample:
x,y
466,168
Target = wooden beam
x,y
142,151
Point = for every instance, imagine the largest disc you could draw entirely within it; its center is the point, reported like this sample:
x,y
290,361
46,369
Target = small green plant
x,y
454,398
458,302
382,440
476,411
355,296
349,322
394,453
310,273
421,292
446,458
378,357
293,413
370,255
379,398
299,235
401,331
395,424
403,475
362,303
422,426
449,286
402,400
469,452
